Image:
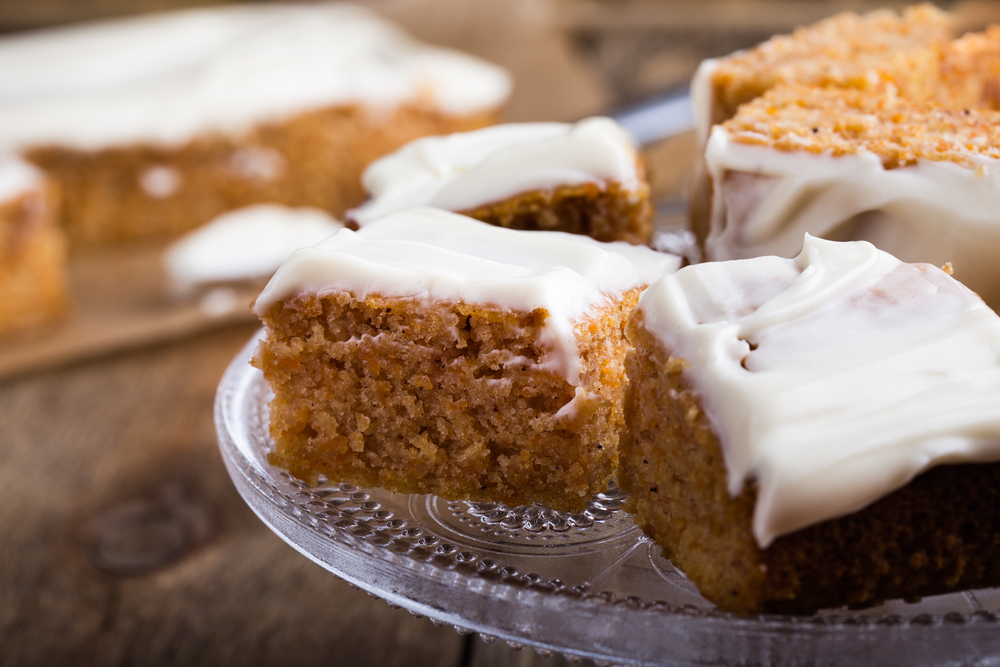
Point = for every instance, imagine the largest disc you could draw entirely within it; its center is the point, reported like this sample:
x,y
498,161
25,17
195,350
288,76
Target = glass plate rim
x,y
260,486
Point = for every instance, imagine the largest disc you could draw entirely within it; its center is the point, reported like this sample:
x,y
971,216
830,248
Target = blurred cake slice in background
x,y
919,181
970,71
245,246
152,126
584,178
32,249
846,50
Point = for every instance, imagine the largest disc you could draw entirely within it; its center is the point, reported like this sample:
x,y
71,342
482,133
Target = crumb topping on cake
x,y
970,71
846,121
846,50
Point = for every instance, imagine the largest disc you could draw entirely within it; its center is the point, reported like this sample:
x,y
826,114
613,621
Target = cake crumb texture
x,y
970,71
845,121
938,534
845,50
443,398
606,212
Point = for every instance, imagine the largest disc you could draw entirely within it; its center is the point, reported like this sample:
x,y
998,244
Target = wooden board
x,y
120,300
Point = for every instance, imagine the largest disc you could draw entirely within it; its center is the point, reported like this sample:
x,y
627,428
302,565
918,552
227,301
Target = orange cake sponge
x,y
433,353
846,50
816,432
32,249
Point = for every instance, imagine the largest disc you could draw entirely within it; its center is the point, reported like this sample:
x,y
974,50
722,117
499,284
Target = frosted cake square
x,y
584,178
816,432
433,353
279,103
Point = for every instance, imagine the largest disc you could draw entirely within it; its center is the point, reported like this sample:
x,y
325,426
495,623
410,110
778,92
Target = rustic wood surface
x,y
121,299
123,540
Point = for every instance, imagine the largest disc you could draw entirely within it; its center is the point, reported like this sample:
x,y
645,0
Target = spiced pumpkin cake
x,y
970,71
32,249
584,178
847,50
433,353
816,432
918,180
154,125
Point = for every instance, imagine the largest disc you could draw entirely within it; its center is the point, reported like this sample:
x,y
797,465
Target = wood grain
x,y
121,299
94,460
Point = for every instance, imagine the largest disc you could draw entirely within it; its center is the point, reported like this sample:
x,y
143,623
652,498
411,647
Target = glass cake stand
x,y
586,585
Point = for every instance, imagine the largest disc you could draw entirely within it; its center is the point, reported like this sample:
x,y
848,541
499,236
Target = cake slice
x,y
584,178
32,249
970,71
919,181
153,125
846,50
816,432
433,353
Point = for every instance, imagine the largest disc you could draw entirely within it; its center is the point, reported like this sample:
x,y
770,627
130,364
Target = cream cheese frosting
x,y
436,255
833,378
465,170
244,244
166,78
17,177
764,200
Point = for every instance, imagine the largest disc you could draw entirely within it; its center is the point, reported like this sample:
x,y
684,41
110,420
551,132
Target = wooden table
x,y
123,540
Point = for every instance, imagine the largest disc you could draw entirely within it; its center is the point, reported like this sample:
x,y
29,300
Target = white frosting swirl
x,y
833,378
170,77
764,199
435,255
463,171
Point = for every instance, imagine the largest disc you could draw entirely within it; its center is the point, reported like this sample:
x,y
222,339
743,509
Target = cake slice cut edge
x,y
932,531
420,378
